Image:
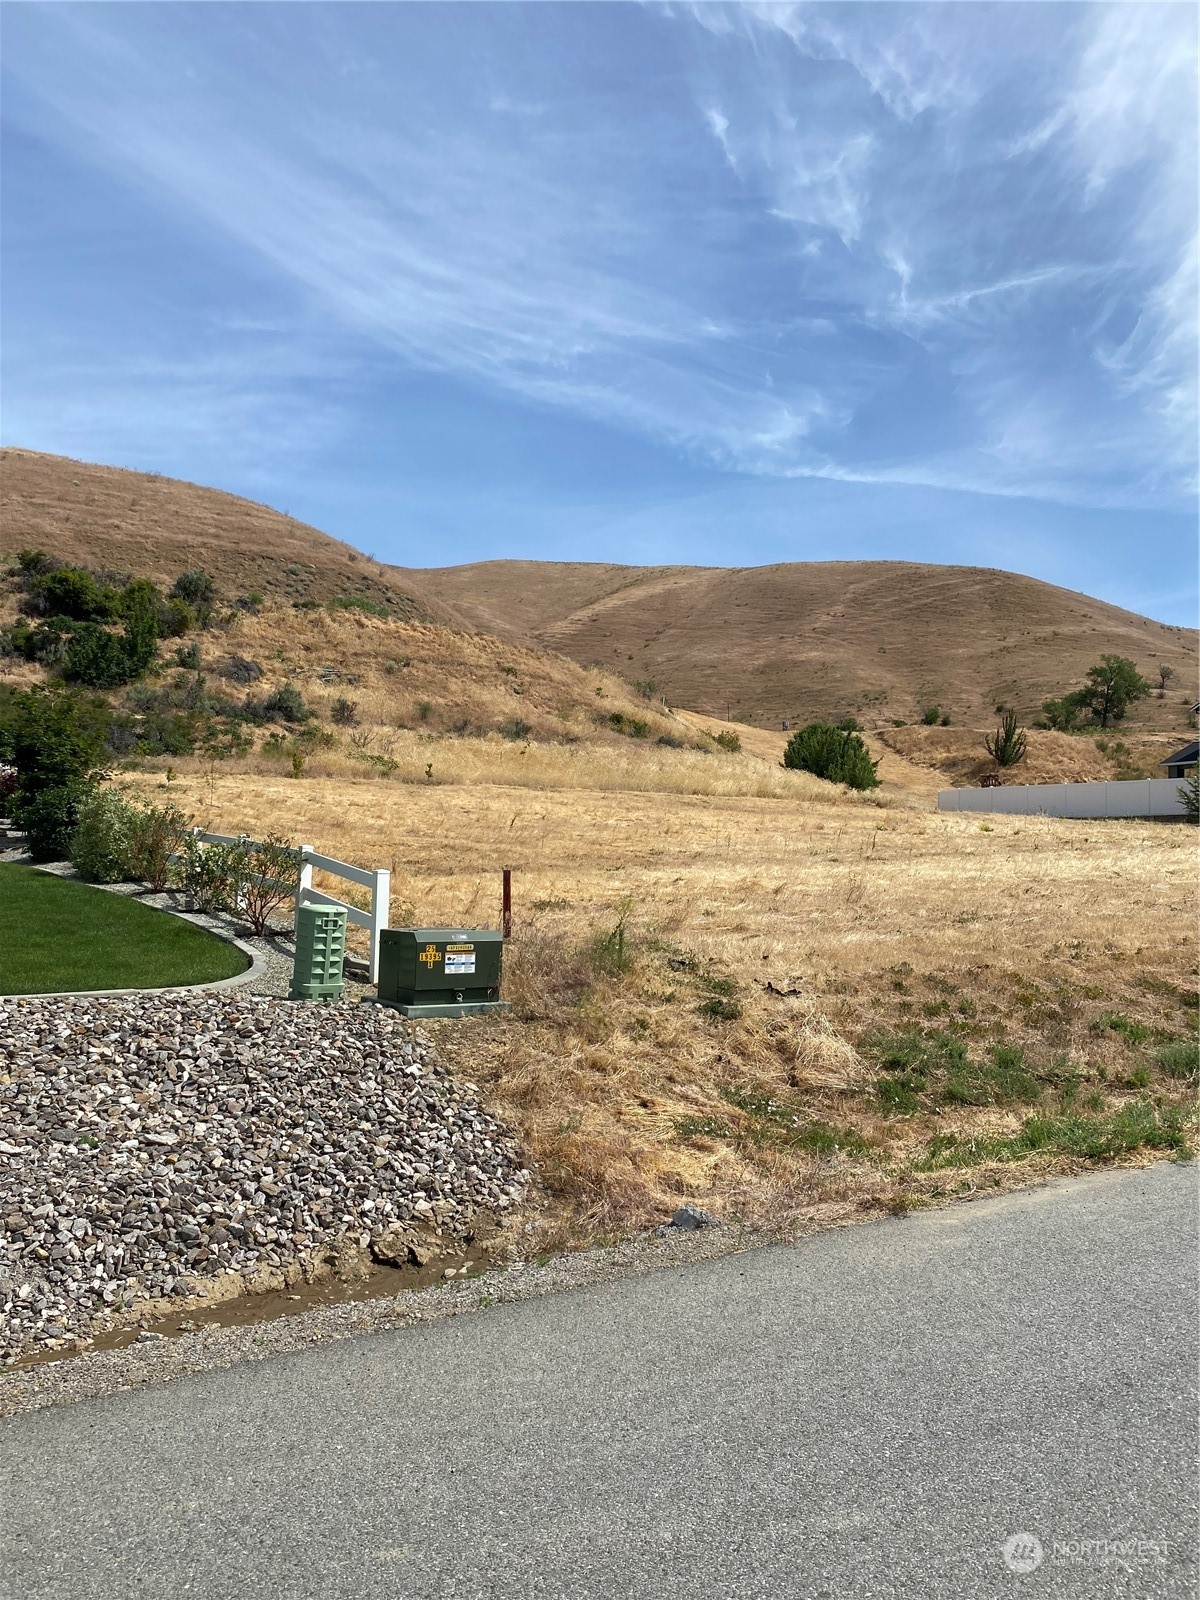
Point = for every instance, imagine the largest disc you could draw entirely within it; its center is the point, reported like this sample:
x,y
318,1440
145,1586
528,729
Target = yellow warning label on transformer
x,y
431,955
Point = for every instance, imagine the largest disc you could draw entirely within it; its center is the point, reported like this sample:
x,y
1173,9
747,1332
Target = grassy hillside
x,y
876,639
532,650
154,527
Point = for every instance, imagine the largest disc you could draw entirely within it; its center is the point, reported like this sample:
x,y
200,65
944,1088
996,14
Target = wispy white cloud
x,y
881,245
983,244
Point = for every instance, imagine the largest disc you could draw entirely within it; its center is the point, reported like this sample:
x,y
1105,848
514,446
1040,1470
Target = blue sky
x,y
715,284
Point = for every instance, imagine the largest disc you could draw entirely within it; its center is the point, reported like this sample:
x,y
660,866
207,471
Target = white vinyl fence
x,y
1140,797
378,881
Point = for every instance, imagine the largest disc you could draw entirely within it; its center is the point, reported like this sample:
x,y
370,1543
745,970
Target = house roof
x,y
1182,758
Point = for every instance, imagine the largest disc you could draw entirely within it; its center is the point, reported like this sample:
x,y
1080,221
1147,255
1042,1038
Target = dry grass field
x,y
782,1001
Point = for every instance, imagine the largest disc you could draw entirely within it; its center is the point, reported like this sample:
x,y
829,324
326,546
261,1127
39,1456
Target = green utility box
x,y
320,951
440,972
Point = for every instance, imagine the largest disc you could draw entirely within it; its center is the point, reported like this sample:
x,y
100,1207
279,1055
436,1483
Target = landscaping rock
x,y
691,1217
151,1142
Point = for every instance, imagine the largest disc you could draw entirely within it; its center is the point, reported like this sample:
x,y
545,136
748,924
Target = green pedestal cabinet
x,y
320,951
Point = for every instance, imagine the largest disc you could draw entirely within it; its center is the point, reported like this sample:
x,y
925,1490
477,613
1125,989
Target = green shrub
x,y
72,592
57,741
194,588
344,712
831,753
102,838
49,819
727,740
55,737
1063,714
1007,745
157,834
208,874
287,705
174,619
631,727
1189,793
188,657
96,658
931,716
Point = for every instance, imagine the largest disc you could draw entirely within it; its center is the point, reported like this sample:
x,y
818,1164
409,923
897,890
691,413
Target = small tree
x,y
1114,683
1007,745
56,739
344,712
1165,674
1189,793
831,753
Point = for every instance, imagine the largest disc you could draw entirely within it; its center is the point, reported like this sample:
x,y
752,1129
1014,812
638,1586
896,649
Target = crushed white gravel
x,y
149,1143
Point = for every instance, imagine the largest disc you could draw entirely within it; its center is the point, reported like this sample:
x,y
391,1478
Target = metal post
x,y
506,904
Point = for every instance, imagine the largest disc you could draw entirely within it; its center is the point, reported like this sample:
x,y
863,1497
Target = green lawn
x,y
57,934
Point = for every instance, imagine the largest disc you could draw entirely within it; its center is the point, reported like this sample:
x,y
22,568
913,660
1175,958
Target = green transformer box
x,y
440,972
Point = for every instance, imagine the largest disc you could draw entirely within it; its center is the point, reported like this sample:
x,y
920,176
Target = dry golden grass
x,y
958,755
429,679
823,917
874,639
154,527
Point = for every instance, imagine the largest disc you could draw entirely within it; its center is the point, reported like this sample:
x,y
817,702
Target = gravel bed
x,y
152,1143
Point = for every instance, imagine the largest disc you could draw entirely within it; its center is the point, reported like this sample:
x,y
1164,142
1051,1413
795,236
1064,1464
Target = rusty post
x,y
506,905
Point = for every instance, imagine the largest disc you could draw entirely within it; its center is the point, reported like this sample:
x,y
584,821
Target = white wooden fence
x,y
379,882
1139,797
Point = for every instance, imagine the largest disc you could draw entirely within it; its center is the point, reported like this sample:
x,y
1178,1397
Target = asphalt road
x,y
870,1413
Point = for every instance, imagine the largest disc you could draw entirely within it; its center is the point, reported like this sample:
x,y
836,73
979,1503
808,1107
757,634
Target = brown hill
x,y
877,639
154,527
